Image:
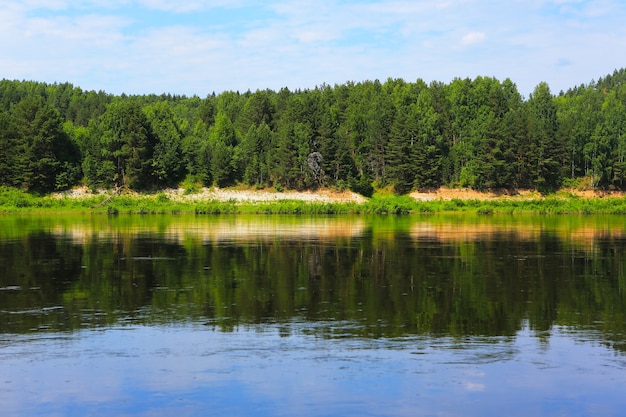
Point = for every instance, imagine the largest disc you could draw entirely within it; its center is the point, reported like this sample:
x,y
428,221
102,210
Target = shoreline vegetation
x,y
389,137
237,200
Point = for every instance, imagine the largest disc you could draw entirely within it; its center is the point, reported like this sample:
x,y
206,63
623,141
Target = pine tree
x,y
545,150
127,144
399,164
9,151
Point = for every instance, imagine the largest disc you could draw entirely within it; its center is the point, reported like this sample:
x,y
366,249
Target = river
x,y
440,315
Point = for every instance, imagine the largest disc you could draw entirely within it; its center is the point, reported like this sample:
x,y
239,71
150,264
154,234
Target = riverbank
x,y
333,196
229,194
326,201
445,193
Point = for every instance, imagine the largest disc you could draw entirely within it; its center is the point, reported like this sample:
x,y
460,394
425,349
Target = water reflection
x,y
374,277
162,315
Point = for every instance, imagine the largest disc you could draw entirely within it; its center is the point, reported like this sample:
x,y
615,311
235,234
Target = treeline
x,y
478,133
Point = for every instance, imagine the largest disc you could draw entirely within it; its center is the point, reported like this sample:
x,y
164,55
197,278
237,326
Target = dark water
x,y
312,316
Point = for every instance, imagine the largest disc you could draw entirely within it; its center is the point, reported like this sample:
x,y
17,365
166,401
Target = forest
x,y
478,133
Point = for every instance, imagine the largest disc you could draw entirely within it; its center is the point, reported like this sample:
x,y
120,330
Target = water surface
x,y
314,316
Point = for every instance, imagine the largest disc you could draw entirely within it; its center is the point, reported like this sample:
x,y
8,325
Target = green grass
x,y
17,201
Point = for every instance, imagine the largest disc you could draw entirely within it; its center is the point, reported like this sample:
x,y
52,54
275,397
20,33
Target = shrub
x,y
362,186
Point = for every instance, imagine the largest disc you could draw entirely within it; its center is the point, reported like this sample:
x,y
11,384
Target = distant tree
x,y
426,152
127,145
196,152
354,130
223,139
254,155
614,111
9,151
545,149
167,159
258,109
399,158
45,153
207,111
460,143
380,118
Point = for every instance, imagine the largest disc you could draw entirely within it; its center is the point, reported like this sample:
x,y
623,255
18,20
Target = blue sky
x,y
198,47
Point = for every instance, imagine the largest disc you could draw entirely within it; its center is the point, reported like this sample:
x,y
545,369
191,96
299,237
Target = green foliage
x,y
191,185
14,199
167,159
476,133
223,139
128,142
196,152
362,186
253,155
41,155
390,205
11,197
9,151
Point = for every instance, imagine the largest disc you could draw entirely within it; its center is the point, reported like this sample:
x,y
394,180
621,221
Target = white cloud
x,y
403,8
187,6
194,47
172,5
472,38
45,4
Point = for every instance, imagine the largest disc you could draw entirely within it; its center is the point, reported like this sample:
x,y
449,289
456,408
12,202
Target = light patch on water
x,y
194,368
474,387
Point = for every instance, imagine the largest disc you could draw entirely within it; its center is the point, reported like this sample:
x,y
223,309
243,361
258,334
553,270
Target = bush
x,y
391,205
362,186
13,197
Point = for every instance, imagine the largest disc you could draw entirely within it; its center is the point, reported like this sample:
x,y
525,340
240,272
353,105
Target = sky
x,y
196,47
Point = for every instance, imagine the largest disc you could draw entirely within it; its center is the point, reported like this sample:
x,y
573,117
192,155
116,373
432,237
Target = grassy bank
x,y
17,201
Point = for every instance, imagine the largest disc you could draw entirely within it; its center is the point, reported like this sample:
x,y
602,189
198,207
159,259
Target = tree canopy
x,y
479,133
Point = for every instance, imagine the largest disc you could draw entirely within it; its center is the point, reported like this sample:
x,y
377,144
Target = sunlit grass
x,y
18,201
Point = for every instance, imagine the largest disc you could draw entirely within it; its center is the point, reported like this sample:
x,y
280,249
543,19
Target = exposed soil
x,y
204,194
445,193
225,194
330,196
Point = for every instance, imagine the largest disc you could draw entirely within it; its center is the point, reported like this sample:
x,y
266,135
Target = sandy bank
x,y
207,194
330,196
445,193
